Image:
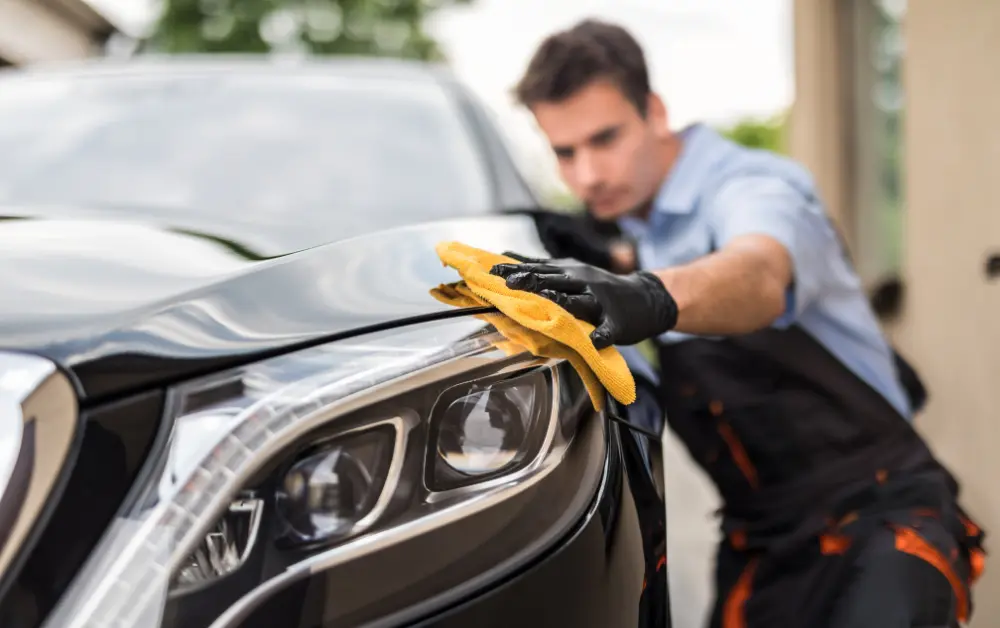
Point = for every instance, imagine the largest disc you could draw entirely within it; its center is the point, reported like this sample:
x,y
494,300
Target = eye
x,y
563,153
605,138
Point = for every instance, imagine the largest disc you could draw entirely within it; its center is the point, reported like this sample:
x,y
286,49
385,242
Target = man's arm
x,y
572,235
740,289
774,250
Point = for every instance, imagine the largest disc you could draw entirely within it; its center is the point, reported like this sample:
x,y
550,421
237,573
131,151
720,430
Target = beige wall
x,y
818,125
950,324
951,321
32,33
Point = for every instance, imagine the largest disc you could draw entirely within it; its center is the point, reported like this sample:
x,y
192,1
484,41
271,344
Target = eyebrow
x,y
604,134
599,136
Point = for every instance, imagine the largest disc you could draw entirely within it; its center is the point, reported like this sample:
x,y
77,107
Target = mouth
x,y
604,199
604,204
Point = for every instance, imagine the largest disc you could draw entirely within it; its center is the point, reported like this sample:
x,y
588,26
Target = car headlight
x,y
319,457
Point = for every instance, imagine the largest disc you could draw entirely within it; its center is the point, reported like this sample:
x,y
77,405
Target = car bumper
x,y
610,572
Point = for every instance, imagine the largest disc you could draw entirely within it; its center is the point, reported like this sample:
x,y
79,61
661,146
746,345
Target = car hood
x,y
125,305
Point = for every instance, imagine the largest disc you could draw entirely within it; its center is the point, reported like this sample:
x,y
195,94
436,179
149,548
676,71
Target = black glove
x,y
625,309
573,236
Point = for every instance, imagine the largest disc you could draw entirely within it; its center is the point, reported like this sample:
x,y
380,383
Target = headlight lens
x,y
377,437
480,434
486,428
332,492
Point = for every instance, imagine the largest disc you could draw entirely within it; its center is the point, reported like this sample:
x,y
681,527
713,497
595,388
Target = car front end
x,y
314,440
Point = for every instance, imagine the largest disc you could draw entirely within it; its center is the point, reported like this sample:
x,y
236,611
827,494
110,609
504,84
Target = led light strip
x,y
126,580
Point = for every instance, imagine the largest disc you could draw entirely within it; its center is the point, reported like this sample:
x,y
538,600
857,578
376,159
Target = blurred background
x,y
892,104
718,61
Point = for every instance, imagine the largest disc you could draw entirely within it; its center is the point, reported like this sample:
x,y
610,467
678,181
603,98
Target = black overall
x,y
818,473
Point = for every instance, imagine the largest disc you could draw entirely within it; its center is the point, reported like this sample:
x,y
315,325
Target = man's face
x,y
608,153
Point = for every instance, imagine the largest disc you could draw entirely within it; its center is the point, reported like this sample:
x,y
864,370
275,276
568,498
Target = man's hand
x,y
625,309
571,236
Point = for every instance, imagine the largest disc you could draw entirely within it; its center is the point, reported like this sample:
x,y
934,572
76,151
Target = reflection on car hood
x,y
125,305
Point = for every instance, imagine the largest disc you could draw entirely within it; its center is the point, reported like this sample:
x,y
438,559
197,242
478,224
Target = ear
x,y
657,115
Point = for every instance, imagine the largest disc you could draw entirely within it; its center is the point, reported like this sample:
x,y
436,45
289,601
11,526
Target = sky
x,y
711,60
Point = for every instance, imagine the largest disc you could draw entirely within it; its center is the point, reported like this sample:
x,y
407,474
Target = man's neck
x,y
669,151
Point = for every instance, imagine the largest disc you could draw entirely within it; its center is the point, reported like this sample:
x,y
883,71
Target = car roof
x,y
146,65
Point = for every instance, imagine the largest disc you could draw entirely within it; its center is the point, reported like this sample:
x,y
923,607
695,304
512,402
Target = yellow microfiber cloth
x,y
532,322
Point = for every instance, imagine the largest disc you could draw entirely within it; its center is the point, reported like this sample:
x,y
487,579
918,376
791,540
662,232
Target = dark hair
x,y
571,59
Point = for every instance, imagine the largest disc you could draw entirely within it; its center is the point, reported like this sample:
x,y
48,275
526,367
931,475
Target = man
x,y
774,372
585,238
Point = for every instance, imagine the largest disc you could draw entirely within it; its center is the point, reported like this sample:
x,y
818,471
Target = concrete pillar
x,y
31,33
818,126
951,322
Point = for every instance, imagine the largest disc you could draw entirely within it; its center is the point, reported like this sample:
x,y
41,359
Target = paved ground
x,y
692,535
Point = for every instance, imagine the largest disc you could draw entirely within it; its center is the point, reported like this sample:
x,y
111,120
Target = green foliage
x,y
356,27
560,198
768,134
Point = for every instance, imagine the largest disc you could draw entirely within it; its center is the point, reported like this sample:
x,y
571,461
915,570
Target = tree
x,y
768,134
357,27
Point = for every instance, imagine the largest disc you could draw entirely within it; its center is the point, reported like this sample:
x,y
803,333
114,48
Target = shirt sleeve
x,y
769,205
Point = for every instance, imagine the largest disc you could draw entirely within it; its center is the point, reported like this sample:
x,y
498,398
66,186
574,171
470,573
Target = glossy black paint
x,y
641,457
139,296
598,577
120,324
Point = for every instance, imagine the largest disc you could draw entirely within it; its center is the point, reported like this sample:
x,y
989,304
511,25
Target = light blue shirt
x,y
719,190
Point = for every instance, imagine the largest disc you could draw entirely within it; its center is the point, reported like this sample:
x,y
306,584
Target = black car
x,y
227,396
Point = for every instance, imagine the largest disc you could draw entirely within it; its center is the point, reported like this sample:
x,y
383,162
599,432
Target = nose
x,y
585,170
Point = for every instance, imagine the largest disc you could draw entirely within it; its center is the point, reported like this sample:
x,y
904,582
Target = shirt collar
x,y
681,189
679,193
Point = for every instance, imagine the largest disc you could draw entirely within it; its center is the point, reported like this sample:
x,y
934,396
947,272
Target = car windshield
x,y
346,153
